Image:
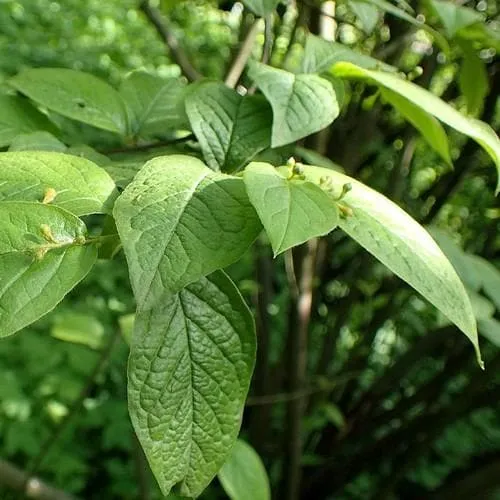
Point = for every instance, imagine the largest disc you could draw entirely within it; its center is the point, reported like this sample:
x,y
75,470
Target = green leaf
x,y
473,80
18,116
231,129
77,95
78,328
312,157
320,55
190,365
490,329
155,105
292,210
455,17
72,183
178,220
37,141
405,247
244,476
261,7
368,15
481,132
431,130
302,104
43,255
489,277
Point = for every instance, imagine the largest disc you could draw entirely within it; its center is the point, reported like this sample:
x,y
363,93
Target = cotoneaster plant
x,y
181,218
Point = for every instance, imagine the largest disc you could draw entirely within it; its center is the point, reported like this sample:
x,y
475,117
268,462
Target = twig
x,y
299,318
163,28
32,487
244,54
75,408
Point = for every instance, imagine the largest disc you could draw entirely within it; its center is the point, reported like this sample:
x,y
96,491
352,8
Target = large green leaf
x,y
190,365
261,7
302,104
231,129
178,220
404,246
154,104
73,183
368,15
244,476
292,210
17,117
43,255
477,130
77,95
320,55
427,125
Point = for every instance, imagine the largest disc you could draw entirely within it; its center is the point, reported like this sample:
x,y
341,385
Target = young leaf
x,y
189,370
427,125
244,476
320,55
455,17
154,104
77,95
75,184
178,220
481,132
37,141
368,15
43,255
292,210
302,104
231,129
18,116
473,80
404,246
261,7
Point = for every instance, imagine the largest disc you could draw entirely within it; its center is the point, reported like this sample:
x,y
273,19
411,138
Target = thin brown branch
x,y
29,486
237,68
299,318
164,29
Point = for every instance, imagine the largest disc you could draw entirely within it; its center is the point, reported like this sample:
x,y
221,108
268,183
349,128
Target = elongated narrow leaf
x,y
320,55
17,117
73,183
77,95
155,105
302,104
426,124
244,476
292,211
43,255
231,129
190,365
490,329
178,220
261,7
405,247
477,130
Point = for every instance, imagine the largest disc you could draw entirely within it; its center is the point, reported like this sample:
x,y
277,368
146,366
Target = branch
x,y
32,487
244,54
164,30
